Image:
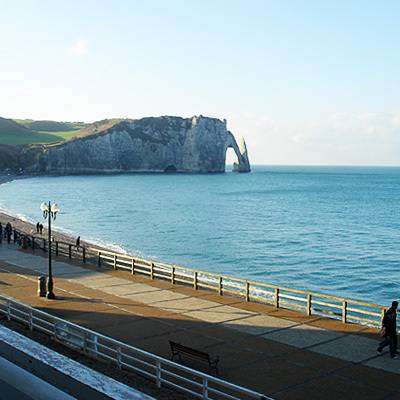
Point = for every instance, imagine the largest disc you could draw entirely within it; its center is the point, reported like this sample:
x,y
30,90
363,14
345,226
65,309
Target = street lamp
x,y
50,212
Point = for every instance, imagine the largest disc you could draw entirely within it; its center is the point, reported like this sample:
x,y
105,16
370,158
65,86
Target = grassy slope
x,y
13,133
98,127
51,126
18,133
59,136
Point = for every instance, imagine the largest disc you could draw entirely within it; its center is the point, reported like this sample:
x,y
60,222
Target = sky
x,y
305,82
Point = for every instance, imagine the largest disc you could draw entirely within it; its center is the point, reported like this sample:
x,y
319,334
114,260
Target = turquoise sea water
x,y
333,230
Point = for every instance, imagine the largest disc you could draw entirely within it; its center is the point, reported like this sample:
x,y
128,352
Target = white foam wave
x,y
93,241
14,214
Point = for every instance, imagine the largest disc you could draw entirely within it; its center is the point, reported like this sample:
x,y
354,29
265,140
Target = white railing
x,y
158,369
310,303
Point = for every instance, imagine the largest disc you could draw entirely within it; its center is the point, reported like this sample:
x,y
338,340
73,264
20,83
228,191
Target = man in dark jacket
x,y
390,330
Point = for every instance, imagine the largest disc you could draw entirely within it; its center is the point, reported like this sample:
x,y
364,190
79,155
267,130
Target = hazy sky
x,y
305,82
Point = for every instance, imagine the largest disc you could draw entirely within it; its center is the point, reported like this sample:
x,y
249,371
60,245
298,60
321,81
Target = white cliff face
x,y
164,144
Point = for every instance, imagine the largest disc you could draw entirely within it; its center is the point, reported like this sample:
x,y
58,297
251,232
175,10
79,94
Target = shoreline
x,y
20,222
29,227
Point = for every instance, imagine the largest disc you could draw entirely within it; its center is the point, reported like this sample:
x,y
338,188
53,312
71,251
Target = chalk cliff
x,y
163,144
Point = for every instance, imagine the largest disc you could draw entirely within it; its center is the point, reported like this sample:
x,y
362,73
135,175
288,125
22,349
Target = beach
x,y
29,227
16,222
327,230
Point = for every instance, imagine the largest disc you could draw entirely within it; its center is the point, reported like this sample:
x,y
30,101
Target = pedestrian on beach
x,y
389,331
78,241
41,228
37,227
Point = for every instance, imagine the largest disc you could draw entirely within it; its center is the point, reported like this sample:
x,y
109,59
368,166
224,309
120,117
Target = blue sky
x,y
305,82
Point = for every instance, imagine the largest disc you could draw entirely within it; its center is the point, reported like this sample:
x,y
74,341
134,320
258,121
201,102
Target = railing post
x,y
57,248
277,297
158,373
99,260
220,286
152,271
309,301
9,310
344,311
247,291
84,254
70,251
205,388
115,262
119,357
95,345
173,275
84,342
30,320
133,267
195,280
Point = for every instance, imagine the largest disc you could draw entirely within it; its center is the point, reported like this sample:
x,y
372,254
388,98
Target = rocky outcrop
x,y
243,164
164,144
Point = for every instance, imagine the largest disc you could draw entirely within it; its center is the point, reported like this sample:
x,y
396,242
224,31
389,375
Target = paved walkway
x,y
279,352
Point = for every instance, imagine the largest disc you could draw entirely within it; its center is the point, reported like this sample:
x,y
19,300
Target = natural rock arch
x,y
243,164
152,144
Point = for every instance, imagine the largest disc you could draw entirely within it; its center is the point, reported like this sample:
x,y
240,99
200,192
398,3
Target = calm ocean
x,y
334,230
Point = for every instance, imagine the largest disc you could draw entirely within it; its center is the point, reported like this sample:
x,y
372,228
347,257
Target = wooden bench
x,y
178,349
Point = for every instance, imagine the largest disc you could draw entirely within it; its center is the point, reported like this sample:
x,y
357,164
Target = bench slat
x,y
177,349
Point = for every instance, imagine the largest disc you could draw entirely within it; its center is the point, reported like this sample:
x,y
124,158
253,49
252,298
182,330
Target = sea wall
x,y
163,144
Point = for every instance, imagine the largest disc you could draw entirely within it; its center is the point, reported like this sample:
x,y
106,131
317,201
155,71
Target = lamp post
x,y
50,212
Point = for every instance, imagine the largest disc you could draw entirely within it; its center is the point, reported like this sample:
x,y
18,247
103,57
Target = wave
x,y
19,216
68,232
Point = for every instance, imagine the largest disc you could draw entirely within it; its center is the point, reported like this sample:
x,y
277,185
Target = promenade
x,y
282,353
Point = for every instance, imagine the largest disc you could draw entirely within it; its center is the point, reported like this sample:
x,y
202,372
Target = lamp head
x,y
54,210
45,209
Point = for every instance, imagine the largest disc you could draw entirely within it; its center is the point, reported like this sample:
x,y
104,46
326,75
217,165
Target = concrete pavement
x,y
280,352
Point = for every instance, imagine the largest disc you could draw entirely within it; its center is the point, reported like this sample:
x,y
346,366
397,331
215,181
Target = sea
x,y
333,230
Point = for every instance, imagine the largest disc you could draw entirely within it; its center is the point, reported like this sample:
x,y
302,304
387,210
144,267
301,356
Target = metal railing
x,y
310,303
59,248
162,371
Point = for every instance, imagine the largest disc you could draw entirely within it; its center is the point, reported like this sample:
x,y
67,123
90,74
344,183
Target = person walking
x,y
41,228
37,227
389,331
78,241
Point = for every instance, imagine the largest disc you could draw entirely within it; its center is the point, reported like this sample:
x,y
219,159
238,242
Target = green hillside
x,y
51,126
98,127
19,133
12,133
